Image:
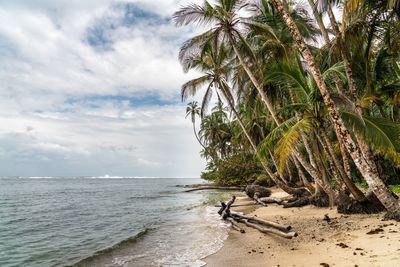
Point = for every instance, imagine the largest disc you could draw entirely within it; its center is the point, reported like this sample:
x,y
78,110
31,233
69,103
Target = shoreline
x,y
346,240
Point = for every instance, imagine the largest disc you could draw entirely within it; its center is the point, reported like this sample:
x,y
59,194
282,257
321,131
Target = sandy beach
x,y
347,240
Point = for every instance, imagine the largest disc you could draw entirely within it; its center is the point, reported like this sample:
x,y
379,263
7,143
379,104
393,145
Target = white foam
x,y
124,261
211,236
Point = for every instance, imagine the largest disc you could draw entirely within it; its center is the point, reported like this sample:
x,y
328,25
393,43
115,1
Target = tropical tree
x,y
369,173
324,108
192,111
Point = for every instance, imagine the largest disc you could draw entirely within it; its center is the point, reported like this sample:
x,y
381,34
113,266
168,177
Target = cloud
x,y
91,87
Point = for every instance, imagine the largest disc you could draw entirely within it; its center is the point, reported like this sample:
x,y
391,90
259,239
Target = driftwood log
x,y
284,228
288,235
256,192
239,205
271,200
252,221
237,188
235,225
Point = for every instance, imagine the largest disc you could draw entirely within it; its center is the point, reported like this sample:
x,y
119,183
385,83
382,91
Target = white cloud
x,y
46,60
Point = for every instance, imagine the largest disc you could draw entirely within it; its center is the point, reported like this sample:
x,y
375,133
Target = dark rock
x,y
375,231
342,245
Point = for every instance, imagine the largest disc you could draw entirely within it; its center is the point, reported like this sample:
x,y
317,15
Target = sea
x,y
107,221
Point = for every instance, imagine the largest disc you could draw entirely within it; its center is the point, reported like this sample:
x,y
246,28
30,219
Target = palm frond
x,y
191,87
336,69
382,135
299,107
193,47
275,134
206,100
290,140
194,14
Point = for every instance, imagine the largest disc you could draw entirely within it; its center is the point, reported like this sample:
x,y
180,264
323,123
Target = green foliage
x,y
246,60
381,134
395,188
238,169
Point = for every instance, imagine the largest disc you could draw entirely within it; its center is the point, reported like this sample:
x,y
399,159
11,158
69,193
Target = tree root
x,y
348,205
392,216
316,200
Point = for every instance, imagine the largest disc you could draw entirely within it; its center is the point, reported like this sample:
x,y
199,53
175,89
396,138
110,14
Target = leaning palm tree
x,y
193,111
369,174
216,64
226,27
308,117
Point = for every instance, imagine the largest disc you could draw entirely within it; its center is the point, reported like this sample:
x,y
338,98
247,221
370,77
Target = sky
x,y
91,88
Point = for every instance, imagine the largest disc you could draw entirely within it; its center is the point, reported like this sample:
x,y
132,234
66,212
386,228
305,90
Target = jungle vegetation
x,y
308,96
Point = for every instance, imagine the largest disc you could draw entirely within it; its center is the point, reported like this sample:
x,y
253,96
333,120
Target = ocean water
x,y
86,221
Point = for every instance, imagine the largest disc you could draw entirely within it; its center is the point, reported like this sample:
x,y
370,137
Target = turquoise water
x,y
106,222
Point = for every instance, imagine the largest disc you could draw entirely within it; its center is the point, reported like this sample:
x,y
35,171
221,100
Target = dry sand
x,y
341,242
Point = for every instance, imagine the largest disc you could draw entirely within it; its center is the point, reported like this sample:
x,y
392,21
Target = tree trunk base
x,y
261,191
392,216
300,202
348,205
320,200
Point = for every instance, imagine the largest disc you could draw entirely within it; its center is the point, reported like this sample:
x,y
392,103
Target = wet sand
x,y
347,240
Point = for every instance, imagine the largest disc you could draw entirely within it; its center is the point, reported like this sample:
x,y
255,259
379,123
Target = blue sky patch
x,y
134,101
99,35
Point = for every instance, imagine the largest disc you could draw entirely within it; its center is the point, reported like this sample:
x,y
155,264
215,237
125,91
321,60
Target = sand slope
x,y
341,242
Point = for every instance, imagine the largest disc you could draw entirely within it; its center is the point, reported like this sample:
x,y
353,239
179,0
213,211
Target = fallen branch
x,y
235,225
238,205
278,226
225,210
253,221
255,192
288,235
272,200
257,199
215,187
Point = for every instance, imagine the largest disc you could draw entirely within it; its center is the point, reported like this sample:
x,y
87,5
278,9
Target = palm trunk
x,y
345,158
255,82
365,150
338,83
377,186
264,98
276,180
310,153
357,193
197,137
346,62
319,20
325,35
303,178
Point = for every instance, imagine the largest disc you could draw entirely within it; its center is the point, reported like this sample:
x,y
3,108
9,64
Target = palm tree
x,y
193,110
215,131
374,182
309,118
215,63
226,27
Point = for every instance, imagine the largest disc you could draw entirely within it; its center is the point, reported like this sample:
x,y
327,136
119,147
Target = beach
x,y
346,240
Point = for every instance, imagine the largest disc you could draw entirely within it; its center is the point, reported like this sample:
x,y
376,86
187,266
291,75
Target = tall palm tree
x,y
375,184
216,64
193,111
310,116
226,27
